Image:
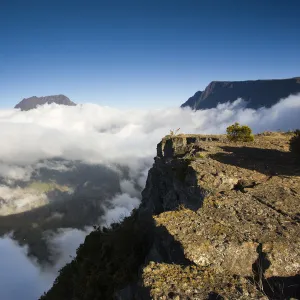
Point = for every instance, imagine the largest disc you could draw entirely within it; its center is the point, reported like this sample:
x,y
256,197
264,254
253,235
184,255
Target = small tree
x,y
237,132
295,143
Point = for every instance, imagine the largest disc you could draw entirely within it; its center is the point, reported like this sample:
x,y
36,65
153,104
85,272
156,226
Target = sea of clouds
x,y
94,134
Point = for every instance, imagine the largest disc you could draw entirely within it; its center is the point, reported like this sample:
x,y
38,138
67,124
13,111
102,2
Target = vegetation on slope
x,y
108,260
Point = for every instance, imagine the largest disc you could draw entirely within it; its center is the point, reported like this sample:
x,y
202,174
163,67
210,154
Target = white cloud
x,y
63,245
92,133
12,172
118,208
20,277
128,187
23,277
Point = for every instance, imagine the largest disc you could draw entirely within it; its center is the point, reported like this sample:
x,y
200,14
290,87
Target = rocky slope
x,y
218,220
33,102
257,93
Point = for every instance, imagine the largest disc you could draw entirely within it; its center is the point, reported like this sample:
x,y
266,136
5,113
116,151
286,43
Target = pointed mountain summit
x,y
34,102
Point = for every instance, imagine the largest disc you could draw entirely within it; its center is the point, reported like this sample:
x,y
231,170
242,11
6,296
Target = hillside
x,y
60,194
257,93
218,220
33,102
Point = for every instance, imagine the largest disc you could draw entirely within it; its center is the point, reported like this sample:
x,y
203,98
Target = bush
x,y
237,132
295,143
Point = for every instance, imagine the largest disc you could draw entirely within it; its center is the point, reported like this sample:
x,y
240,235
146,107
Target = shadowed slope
x,y
257,93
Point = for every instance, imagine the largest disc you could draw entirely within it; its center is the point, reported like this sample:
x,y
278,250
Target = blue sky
x,y
142,53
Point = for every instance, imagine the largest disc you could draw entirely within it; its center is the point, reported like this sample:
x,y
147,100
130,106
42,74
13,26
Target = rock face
x,y
257,93
218,220
192,100
34,102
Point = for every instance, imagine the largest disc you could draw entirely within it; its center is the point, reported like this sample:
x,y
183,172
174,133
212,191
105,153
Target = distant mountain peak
x,y
257,93
34,101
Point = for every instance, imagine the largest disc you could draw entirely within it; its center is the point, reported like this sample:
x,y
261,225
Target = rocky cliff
x,y
218,220
34,102
257,93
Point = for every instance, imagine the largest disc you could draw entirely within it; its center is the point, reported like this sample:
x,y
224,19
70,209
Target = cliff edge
x,y
218,220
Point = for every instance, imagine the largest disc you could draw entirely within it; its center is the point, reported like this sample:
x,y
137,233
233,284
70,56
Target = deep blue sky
x,y
142,53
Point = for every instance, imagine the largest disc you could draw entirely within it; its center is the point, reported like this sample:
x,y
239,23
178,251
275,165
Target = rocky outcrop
x,y
257,93
218,220
34,102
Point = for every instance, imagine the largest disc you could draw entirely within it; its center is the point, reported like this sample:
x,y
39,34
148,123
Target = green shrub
x,y
200,155
237,132
295,143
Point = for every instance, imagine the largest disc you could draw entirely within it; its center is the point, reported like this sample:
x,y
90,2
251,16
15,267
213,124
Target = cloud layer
x,y
123,141
102,134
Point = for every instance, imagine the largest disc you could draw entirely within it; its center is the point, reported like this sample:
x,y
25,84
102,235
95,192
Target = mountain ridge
x,y
34,101
258,93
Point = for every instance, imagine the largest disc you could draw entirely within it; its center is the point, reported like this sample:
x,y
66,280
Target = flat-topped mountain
x,y
257,93
34,102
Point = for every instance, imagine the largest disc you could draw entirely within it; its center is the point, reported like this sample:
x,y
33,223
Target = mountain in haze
x,y
34,102
257,93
